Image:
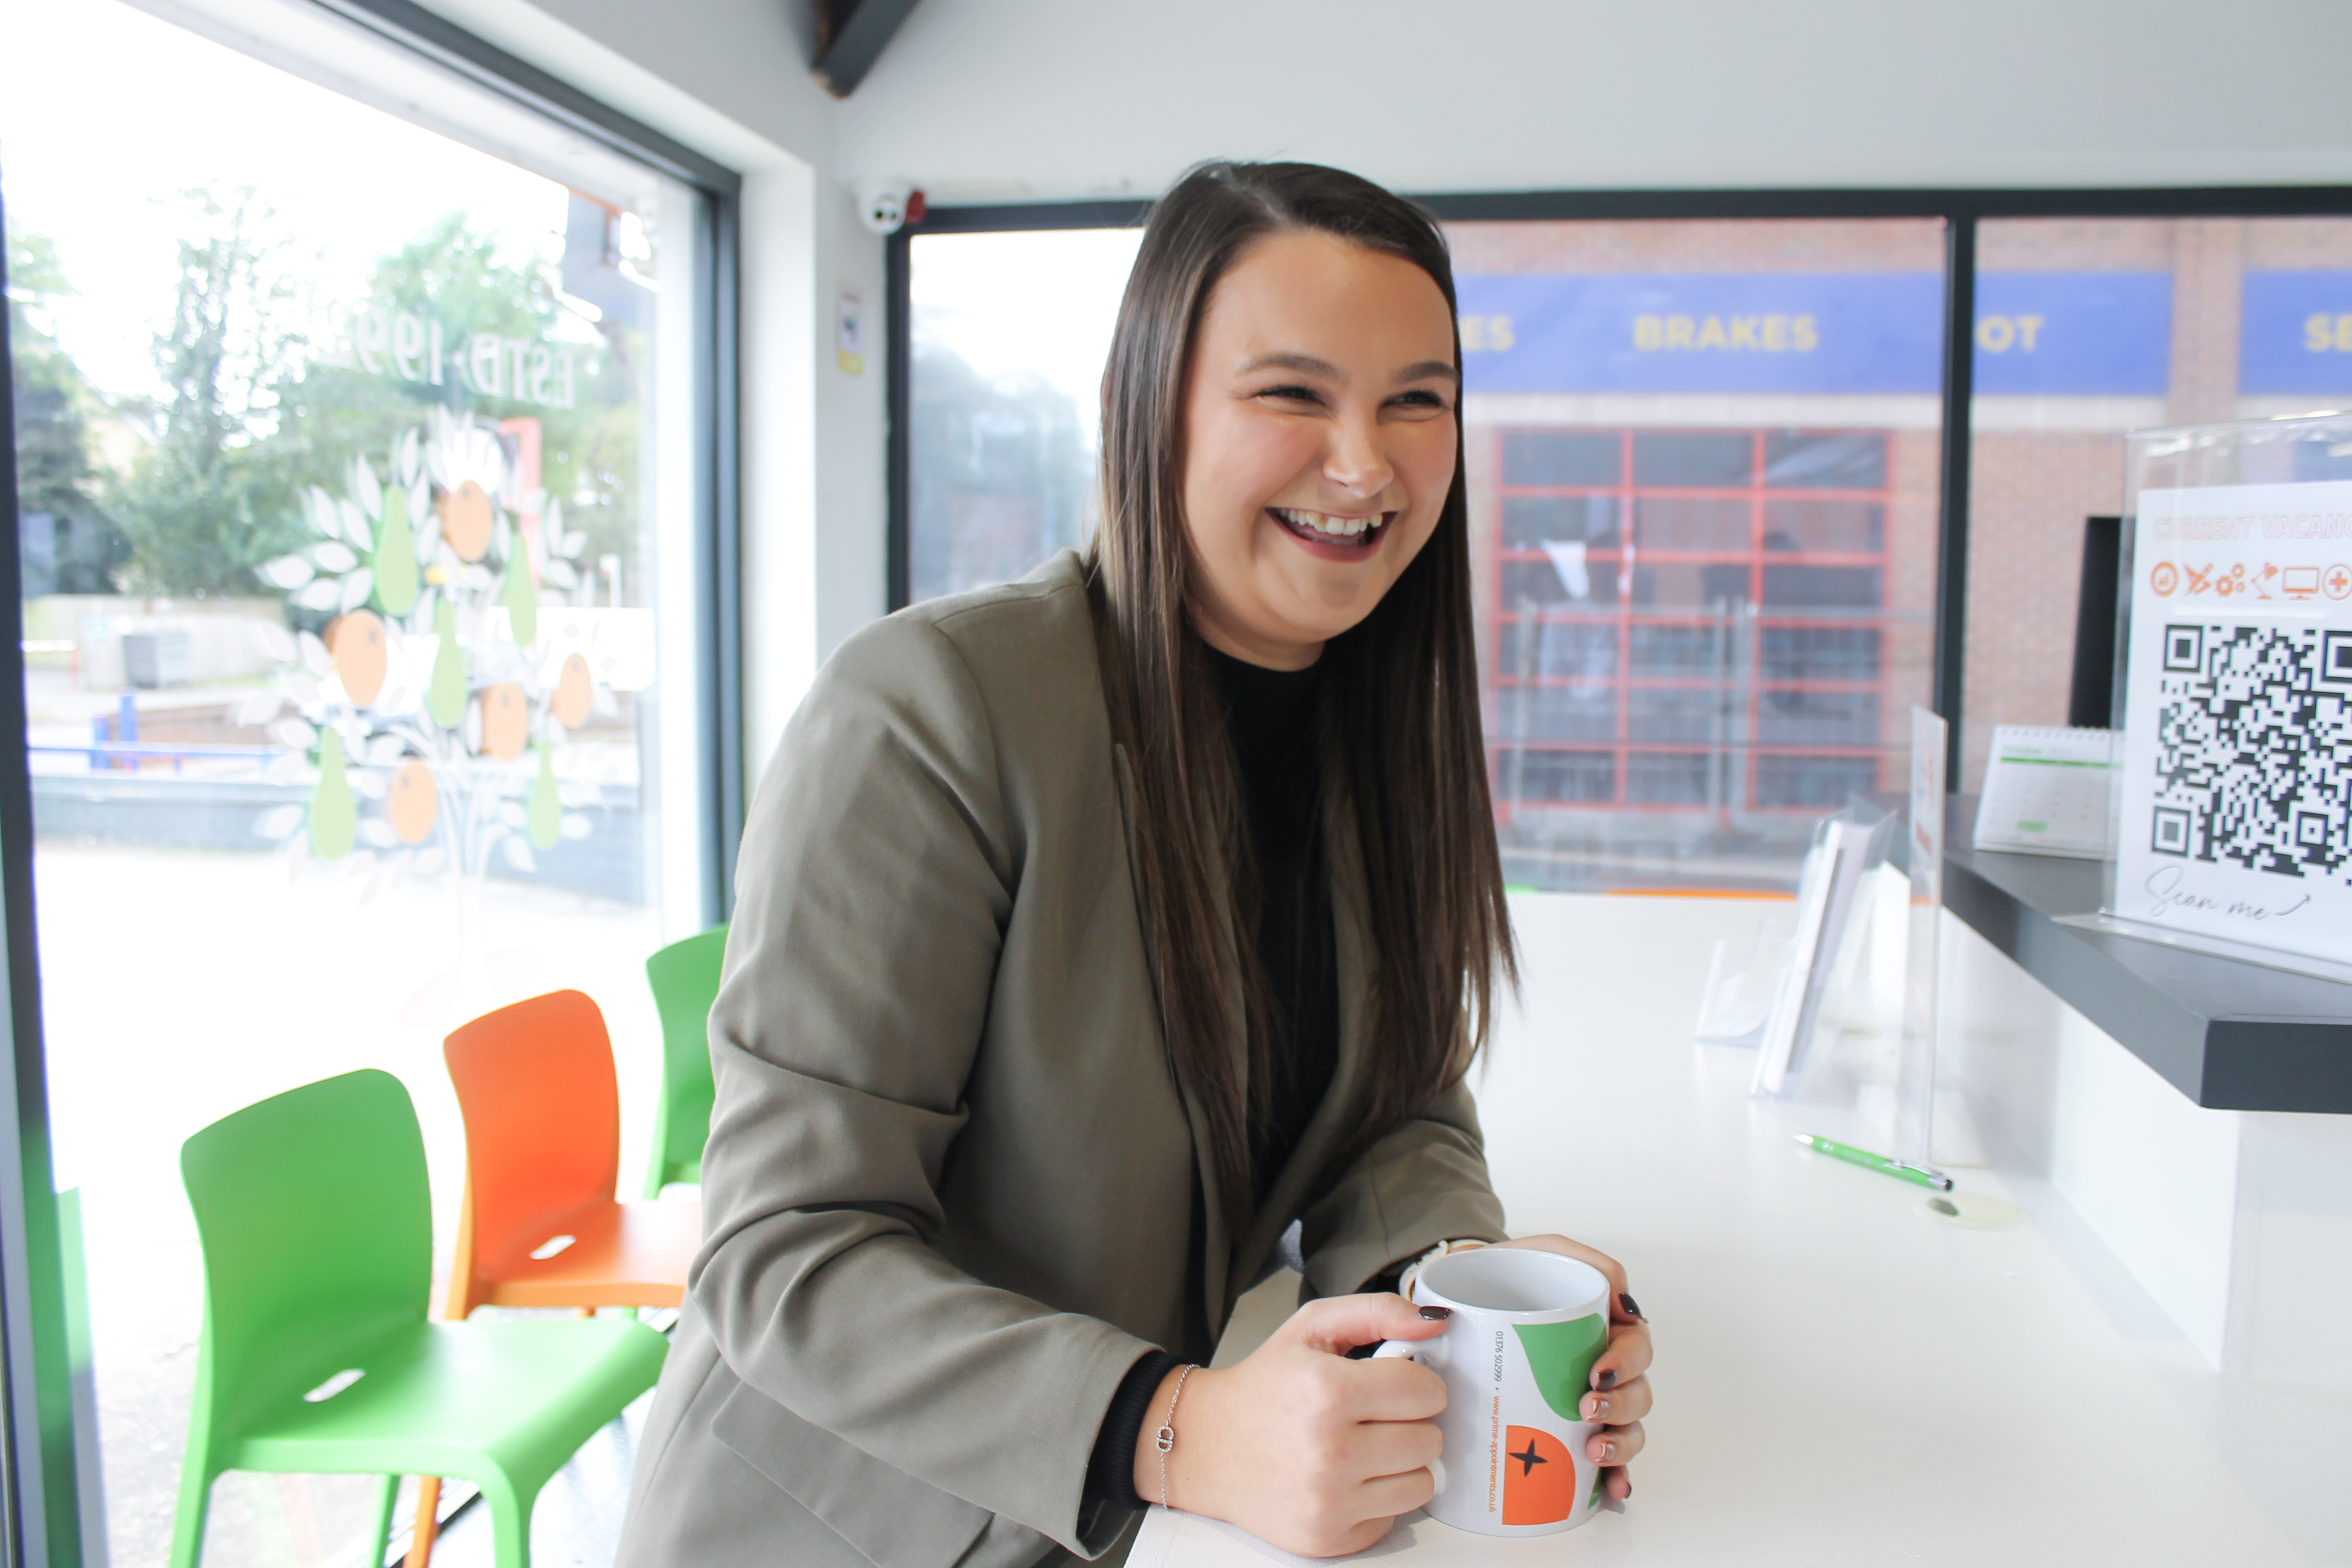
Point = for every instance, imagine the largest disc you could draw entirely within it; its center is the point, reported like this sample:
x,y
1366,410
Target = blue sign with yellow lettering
x,y
2294,332
2046,334
2074,335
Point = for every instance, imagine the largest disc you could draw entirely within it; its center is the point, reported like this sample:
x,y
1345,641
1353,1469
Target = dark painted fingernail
x,y
1437,1314
1626,1301
1606,1380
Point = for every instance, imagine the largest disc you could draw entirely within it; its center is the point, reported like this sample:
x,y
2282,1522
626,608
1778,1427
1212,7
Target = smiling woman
x,y
1096,930
1325,387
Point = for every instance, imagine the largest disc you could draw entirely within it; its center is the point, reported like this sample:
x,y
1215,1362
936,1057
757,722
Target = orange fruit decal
x,y
1538,1479
574,693
356,644
505,720
465,521
414,802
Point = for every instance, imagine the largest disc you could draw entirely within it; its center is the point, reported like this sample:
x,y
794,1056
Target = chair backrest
x,y
317,1226
685,980
543,1114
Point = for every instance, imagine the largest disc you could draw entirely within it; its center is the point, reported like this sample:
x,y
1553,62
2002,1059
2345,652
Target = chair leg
x,y
509,1522
383,1536
196,1501
428,1521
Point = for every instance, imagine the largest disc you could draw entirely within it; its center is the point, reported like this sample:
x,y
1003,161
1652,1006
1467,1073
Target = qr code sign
x,y
2254,761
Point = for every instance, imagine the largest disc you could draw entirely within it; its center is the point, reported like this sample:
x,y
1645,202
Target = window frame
x,y
1961,209
41,1497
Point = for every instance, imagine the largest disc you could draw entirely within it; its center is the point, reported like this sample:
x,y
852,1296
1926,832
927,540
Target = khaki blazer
x,y
951,1184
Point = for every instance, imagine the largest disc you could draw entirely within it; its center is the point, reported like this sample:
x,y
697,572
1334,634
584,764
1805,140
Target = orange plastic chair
x,y
539,1225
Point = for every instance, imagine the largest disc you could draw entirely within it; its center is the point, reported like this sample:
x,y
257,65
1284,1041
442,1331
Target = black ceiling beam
x,y
855,40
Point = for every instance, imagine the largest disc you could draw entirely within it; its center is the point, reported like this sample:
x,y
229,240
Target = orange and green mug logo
x,y
1539,1472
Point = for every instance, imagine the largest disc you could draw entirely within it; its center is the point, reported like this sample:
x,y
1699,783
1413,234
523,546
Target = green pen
x,y
1926,1175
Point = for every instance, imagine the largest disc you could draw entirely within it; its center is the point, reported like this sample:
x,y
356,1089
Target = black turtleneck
x,y
1273,716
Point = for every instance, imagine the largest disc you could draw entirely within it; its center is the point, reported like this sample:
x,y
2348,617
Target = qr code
x,y
2254,761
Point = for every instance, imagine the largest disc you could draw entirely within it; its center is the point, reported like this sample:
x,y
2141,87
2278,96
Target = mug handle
x,y
1429,1354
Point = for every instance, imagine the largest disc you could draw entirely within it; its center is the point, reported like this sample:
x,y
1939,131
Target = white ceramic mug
x,y
1517,1357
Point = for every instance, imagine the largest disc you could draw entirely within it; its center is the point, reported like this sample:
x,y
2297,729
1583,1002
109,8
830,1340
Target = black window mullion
x,y
1950,678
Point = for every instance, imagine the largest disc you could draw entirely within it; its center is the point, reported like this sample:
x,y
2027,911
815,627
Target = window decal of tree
x,y
436,701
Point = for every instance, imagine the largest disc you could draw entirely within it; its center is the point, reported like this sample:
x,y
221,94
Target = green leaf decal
x,y
445,699
396,555
520,598
546,811
1561,1355
334,818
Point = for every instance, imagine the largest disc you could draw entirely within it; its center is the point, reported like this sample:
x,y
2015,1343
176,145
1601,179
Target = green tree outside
x,y
55,474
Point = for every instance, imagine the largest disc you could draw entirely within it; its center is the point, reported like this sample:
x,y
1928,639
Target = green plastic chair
x,y
685,978
317,1226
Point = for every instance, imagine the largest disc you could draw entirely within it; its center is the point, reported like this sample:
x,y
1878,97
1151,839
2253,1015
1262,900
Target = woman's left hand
x,y
1621,1383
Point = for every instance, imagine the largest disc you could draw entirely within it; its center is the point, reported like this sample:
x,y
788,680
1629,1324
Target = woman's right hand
x,y
1299,1445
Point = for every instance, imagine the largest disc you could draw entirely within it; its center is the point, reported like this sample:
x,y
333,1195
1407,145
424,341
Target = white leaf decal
x,y
288,571
364,488
333,556
356,527
294,733
276,642
518,853
319,510
323,594
356,588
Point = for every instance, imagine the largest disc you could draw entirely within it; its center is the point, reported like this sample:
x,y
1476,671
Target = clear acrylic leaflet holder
x,y
1817,991
2233,807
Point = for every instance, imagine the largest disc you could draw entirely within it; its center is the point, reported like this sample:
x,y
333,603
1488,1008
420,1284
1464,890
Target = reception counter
x,y
2229,1035
2191,1109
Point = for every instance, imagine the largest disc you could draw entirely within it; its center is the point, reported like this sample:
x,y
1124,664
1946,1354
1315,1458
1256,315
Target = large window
x,y
361,497
1008,336
1703,464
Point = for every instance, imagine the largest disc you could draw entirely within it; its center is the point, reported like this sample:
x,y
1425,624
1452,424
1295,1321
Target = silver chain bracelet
x,y
1165,1439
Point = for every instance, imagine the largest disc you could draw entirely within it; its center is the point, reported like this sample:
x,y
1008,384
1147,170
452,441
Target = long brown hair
x,y
1400,693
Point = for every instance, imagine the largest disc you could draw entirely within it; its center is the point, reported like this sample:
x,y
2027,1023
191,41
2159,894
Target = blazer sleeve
x,y
877,870
1424,1183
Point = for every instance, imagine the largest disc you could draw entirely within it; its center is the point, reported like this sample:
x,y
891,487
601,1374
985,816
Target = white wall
x,y
995,100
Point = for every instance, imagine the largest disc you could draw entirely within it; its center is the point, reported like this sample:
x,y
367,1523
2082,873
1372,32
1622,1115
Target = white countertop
x,y
1840,1379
